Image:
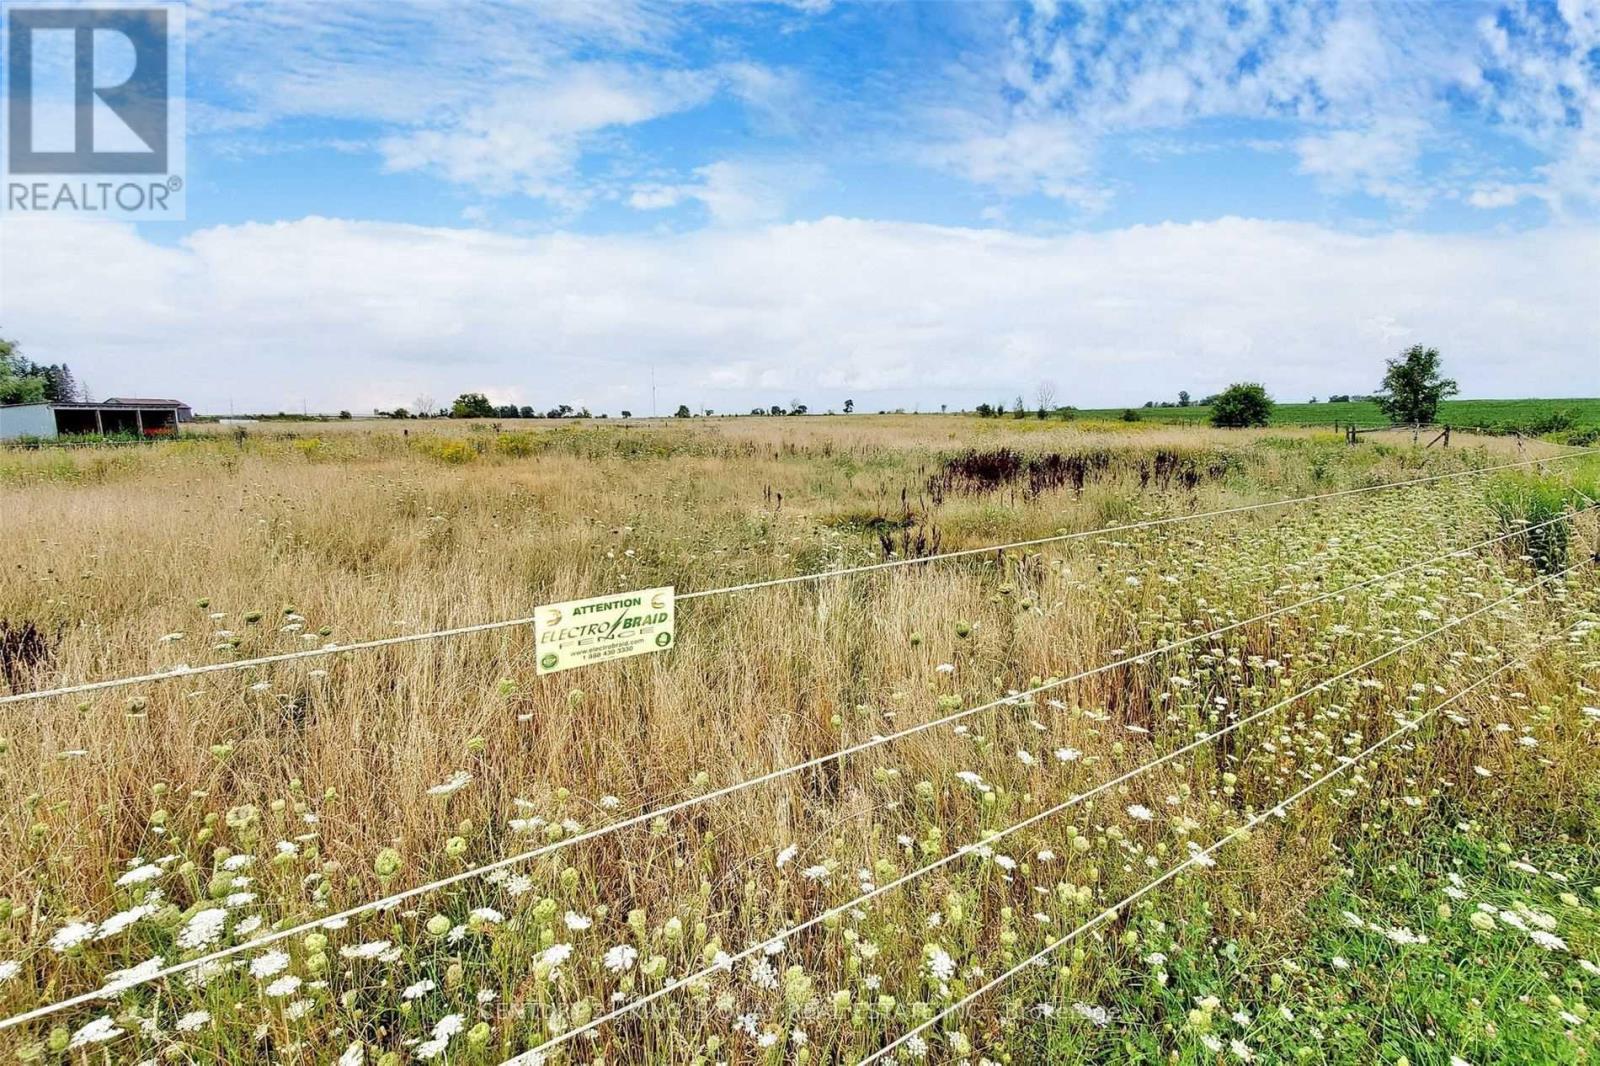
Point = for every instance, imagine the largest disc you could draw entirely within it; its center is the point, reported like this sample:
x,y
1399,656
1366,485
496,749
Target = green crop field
x,y
1532,415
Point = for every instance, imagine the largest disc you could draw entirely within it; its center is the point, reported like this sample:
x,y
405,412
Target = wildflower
x,y
139,874
9,969
815,873
1068,754
419,989
1095,1015
121,920
268,965
554,956
71,935
118,980
1141,812
369,950
787,855
621,958
452,784
763,976
96,1032
192,1021
1025,756
203,930
941,966
286,985
1548,941
576,922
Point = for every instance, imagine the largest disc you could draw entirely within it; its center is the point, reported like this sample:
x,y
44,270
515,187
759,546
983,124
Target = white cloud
x,y
1537,76
1379,160
734,192
358,315
1075,74
528,139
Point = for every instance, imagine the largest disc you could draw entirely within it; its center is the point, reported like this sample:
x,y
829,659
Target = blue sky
x,y
906,204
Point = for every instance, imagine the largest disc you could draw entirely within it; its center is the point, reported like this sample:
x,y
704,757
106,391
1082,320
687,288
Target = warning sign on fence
x,y
581,632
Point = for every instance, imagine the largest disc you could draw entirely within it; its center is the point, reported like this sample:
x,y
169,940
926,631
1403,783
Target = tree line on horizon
x,y
24,381
1413,386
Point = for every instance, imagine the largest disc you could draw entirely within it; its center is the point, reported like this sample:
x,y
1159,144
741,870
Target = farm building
x,y
120,417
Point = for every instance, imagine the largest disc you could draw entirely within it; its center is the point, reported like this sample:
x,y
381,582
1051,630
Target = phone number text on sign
x,y
582,632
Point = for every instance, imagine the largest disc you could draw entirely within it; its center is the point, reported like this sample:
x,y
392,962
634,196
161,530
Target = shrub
x,y
519,445
1524,501
1242,404
450,450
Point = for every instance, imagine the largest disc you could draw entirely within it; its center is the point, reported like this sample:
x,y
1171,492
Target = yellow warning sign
x,y
582,632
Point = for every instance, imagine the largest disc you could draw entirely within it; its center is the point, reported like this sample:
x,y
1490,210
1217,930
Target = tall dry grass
x,y
296,537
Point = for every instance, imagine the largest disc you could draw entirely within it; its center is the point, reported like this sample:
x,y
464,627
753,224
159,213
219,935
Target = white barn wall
x,y
27,420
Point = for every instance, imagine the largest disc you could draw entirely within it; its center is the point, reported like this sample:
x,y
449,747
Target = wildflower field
x,y
1312,783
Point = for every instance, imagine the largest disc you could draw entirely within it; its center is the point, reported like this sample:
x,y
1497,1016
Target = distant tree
x,y
849,405
1413,386
796,407
984,410
627,414
59,384
506,410
1149,403
1242,404
1044,395
21,380
1130,415
472,405
1018,409
1183,398
1313,400
526,411
1344,398
774,410
682,411
345,416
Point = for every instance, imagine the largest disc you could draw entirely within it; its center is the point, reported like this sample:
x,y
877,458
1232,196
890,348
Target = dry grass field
x,y
1409,908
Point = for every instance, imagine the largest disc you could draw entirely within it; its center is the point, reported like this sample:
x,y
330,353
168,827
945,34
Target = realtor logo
x,y
94,110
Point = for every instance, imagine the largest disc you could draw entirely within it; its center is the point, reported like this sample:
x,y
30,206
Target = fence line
x,y
1198,858
508,623
649,815
530,1056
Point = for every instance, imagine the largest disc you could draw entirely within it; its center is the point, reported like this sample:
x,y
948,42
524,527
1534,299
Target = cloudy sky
x,y
907,205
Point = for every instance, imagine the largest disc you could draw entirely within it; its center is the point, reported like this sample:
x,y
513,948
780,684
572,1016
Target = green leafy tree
x,y
20,380
849,405
1183,398
1242,404
1413,386
682,411
472,405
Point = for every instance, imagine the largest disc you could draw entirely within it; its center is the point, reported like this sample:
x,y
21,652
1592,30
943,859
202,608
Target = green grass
x,y
1349,994
1487,414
